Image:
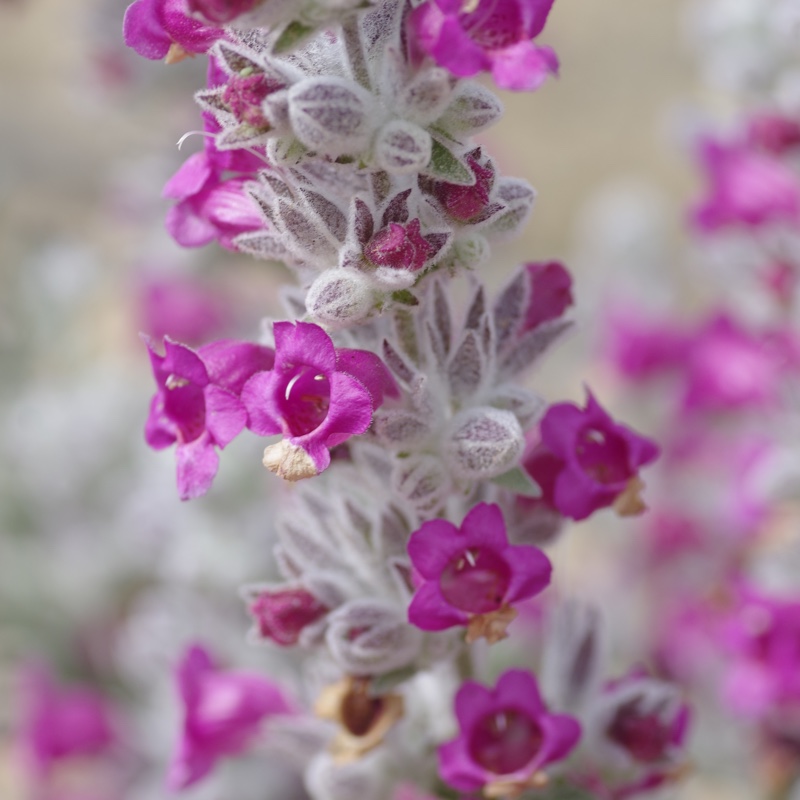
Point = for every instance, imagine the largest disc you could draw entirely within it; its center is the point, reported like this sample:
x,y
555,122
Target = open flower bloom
x,y
487,35
589,460
158,29
507,737
60,723
747,187
197,404
471,575
316,395
223,714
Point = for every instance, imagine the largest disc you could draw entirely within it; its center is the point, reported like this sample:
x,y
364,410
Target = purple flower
x,y
761,638
639,346
728,368
467,203
487,35
747,188
183,308
550,293
471,575
282,614
600,460
197,404
399,246
159,29
221,12
316,395
60,723
507,736
210,207
223,713
773,133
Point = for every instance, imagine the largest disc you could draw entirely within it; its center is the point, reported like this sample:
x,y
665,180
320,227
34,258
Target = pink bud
x,y
283,614
399,246
245,95
465,203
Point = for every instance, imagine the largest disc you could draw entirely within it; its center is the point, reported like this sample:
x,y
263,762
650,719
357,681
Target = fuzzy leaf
x,y
518,481
444,166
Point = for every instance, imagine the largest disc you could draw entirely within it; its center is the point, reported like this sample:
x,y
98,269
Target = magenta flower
x,y
747,188
399,247
729,368
468,204
316,395
197,404
159,29
60,723
762,640
182,308
489,35
774,133
600,460
221,12
640,347
471,575
223,714
550,293
281,615
507,736
209,206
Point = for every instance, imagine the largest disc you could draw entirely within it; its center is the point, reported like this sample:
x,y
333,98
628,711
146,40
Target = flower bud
x,y
483,443
340,297
331,116
399,246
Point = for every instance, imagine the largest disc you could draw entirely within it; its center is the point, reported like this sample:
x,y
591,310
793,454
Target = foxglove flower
x,y
748,188
159,29
60,722
471,575
223,714
586,461
197,404
316,395
507,737
488,35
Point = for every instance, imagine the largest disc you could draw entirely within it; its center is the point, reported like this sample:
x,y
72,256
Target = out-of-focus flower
x,y
472,575
221,12
61,722
223,714
282,614
487,35
507,737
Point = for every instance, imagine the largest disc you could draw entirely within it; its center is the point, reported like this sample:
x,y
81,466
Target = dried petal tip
x,y
288,461
492,626
365,720
511,788
629,502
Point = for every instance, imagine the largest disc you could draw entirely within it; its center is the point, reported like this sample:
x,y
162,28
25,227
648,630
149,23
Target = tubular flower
x,y
471,575
223,713
159,29
507,737
316,395
487,35
197,404
589,460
